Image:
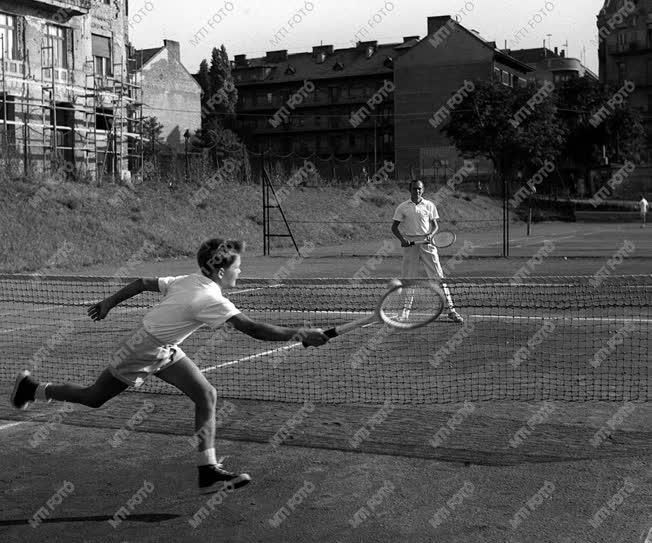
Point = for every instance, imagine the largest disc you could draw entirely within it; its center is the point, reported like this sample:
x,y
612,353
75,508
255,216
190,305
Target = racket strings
x,y
412,306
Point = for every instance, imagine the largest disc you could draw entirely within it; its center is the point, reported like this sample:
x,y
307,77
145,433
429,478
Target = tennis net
x,y
557,338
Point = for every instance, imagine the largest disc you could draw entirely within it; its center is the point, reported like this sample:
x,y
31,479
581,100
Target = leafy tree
x,y
152,131
496,122
219,99
621,132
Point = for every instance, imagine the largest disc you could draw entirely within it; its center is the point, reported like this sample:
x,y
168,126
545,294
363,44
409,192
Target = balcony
x,y
71,7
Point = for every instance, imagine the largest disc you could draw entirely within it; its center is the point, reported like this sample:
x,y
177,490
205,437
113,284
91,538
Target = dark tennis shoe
x,y
24,389
213,474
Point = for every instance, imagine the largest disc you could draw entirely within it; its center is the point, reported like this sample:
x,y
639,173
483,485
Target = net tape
x,y
542,338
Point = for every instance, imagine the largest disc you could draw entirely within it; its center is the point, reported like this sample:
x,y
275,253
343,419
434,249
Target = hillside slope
x,y
73,225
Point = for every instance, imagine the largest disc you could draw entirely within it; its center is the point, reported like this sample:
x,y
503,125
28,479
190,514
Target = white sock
x,y
207,457
39,394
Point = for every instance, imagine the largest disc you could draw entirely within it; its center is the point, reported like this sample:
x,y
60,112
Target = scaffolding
x,y
50,124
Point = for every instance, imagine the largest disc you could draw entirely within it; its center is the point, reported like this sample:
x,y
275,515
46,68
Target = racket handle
x,y
330,333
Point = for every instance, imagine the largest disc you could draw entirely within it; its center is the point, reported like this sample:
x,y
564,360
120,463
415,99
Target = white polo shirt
x,y
643,205
190,302
415,218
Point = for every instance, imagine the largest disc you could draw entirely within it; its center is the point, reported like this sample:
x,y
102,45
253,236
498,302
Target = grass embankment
x,y
72,225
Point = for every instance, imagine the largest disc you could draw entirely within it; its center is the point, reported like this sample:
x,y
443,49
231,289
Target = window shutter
x,y
101,46
20,38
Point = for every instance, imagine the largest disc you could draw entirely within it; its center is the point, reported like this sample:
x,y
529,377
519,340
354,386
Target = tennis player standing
x,y
643,206
418,217
189,302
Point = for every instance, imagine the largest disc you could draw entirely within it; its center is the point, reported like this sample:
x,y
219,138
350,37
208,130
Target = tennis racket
x,y
405,306
440,239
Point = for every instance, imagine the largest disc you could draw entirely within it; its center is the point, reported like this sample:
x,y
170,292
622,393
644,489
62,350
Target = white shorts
x,y
139,355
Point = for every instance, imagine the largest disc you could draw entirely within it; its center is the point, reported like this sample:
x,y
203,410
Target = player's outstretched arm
x,y
101,309
270,332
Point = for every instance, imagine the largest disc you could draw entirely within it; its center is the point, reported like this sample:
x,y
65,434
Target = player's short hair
x,y
218,253
416,181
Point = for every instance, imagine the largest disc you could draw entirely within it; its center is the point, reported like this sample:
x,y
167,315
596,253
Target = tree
x,y
621,131
506,126
152,131
219,98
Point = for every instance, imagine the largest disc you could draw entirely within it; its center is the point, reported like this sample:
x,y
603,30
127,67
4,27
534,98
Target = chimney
x,y
369,47
563,53
320,52
240,61
174,49
277,56
435,23
556,52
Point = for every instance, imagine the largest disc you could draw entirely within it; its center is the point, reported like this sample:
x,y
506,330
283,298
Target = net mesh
x,y
557,338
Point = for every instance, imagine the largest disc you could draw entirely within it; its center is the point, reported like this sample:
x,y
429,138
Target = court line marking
x,y
11,424
251,357
563,318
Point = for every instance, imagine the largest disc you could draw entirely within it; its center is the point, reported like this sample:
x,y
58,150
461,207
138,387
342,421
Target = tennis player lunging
x,y
418,218
189,302
643,206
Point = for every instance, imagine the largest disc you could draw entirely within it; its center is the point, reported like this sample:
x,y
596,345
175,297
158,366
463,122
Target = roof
x,y
532,56
351,62
143,56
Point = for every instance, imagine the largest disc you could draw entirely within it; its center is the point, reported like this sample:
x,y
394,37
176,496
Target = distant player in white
x,y
417,218
643,207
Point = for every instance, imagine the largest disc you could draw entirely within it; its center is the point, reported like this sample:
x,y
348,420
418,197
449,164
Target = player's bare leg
x,y
186,376
27,390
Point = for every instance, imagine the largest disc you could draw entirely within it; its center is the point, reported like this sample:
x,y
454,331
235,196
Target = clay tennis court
x,y
322,483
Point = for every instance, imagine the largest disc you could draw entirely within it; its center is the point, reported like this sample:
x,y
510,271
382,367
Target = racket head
x,y
411,304
444,239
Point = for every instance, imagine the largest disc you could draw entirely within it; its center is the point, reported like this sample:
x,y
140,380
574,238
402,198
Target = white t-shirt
x,y
190,302
643,205
415,218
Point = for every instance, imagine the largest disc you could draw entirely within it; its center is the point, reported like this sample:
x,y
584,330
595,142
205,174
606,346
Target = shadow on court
x,y
148,517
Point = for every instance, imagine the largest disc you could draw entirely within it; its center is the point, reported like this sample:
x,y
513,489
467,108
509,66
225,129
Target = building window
x,y
270,98
7,115
334,93
102,55
506,78
59,40
622,73
621,41
103,118
497,74
8,37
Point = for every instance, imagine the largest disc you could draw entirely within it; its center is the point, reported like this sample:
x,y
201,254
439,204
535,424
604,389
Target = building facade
x,y
329,103
369,103
441,66
625,53
66,96
169,92
550,65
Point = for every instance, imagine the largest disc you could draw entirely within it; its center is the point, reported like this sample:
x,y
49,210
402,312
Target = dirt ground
x,y
396,474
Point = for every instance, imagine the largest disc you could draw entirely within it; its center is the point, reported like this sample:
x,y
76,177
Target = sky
x,y
253,27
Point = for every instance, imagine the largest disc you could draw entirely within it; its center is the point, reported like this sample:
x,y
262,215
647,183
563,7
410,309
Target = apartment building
x,y
549,65
369,101
66,95
169,92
